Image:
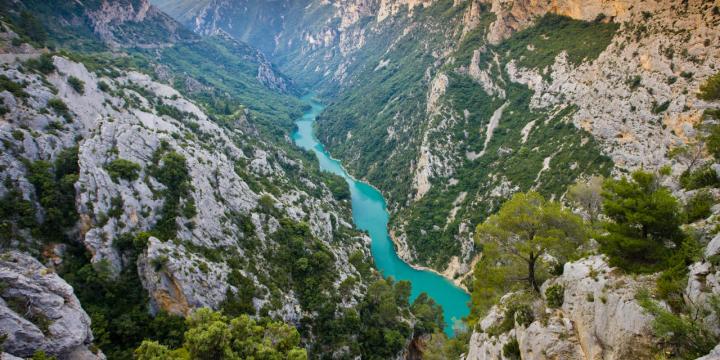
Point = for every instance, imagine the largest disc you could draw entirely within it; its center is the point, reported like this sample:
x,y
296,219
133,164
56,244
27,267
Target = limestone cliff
x,y
599,319
241,190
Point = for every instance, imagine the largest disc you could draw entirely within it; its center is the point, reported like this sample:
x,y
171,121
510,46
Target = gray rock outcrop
x,y
599,319
39,311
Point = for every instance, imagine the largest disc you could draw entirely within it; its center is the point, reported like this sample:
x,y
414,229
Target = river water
x,y
370,214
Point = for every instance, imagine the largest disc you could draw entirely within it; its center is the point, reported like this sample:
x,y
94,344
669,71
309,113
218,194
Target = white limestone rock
x,y
39,311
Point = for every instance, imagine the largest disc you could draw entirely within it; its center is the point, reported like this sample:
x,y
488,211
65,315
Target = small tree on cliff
x,y
646,220
587,195
524,234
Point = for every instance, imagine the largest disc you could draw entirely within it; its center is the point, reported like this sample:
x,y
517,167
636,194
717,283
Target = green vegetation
x,y
77,84
337,184
374,328
673,280
14,88
123,169
701,177
516,311
32,28
170,169
515,242
526,228
660,108
439,347
521,166
538,46
380,111
211,335
228,87
586,195
15,213
698,206
554,296
239,302
710,89
118,306
645,216
55,188
60,108
688,335
103,86
511,349
43,64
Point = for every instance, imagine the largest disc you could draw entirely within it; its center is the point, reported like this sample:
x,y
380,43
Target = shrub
x,y
77,84
684,333
516,312
645,218
59,107
698,206
117,207
555,296
634,82
659,108
123,169
211,335
511,349
702,177
12,87
32,28
103,86
710,89
175,176
672,281
43,64
241,301
338,186
18,135
170,111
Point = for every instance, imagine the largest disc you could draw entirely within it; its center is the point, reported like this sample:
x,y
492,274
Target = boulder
x,y
39,311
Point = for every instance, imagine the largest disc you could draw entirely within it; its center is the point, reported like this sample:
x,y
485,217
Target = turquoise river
x,y
370,214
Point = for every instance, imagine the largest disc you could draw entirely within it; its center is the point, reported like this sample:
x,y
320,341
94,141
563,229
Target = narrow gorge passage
x,y
370,214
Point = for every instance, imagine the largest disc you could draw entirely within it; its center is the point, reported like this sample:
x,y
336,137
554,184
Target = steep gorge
x,y
414,87
449,107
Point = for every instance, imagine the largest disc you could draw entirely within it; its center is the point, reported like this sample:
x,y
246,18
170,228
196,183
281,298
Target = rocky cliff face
x,y
239,192
38,311
107,128
599,319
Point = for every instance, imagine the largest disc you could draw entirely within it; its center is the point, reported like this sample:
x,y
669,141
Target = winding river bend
x,y
370,214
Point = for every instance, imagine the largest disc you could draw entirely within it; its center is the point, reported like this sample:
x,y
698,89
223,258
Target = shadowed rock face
x,y
39,311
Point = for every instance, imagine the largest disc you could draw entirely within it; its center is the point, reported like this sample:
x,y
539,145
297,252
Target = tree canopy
x,y
213,336
645,224
587,196
521,243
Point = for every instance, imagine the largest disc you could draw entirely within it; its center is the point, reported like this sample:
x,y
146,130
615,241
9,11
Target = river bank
x,y
370,214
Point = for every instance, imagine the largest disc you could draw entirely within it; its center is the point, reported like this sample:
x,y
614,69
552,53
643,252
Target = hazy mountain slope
x,y
184,11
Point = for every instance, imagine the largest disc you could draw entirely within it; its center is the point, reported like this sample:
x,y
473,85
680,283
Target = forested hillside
x,y
558,161
148,169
